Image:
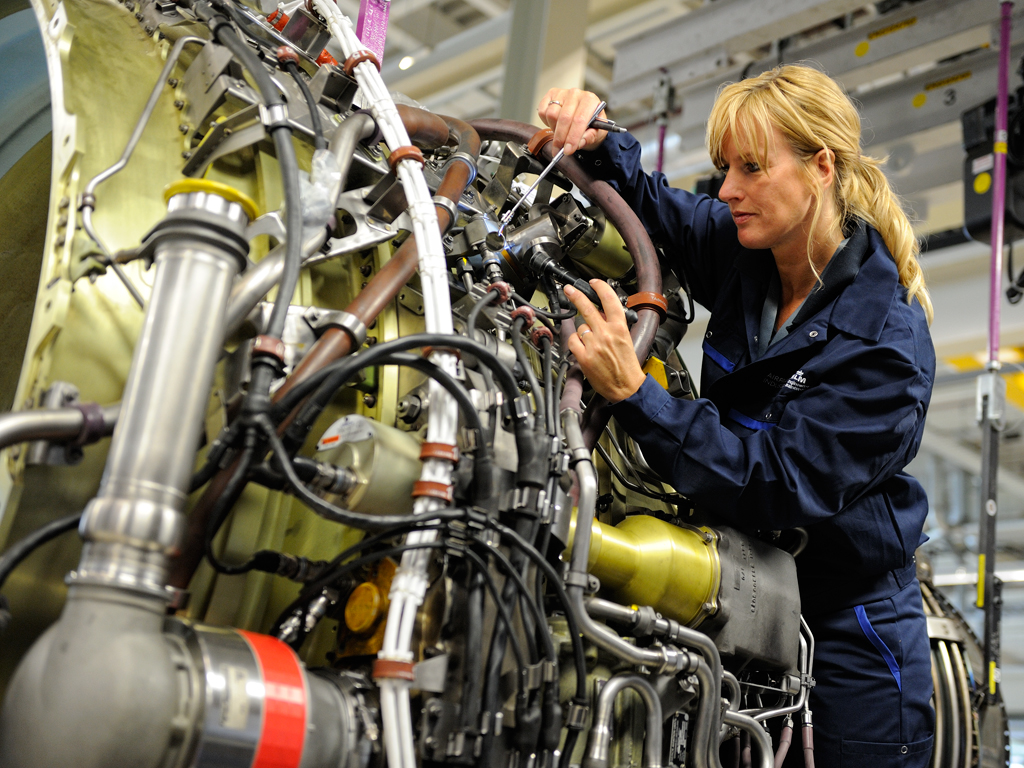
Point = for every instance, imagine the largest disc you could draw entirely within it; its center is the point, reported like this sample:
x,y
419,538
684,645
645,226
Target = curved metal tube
x,y
51,424
758,735
705,731
600,736
664,659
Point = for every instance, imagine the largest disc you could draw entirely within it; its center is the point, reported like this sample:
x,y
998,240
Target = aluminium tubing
x,y
660,660
135,522
758,735
638,243
57,424
599,740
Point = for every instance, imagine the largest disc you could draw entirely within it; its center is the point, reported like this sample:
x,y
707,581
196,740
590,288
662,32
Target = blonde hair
x,y
811,111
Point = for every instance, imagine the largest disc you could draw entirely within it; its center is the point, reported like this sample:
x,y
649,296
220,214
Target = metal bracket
x,y
991,398
321,319
576,717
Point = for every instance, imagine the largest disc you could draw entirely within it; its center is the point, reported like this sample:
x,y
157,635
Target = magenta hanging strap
x,y
372,27
999,187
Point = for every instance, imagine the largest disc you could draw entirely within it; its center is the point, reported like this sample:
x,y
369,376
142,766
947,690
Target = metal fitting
x,y
320,320
274,116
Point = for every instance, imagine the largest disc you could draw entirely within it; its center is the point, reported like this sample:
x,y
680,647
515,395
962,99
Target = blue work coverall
x,y
814,432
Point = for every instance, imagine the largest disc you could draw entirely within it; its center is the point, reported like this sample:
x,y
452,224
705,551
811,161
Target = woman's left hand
x,y
602,344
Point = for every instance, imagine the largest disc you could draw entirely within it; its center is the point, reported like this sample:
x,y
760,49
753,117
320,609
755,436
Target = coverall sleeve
x,y
696,231
856,427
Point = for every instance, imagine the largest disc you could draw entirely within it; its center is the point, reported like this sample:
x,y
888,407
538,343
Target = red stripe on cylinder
x,y
284,703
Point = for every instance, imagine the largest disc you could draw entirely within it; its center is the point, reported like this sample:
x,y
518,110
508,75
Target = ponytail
x,y
866,194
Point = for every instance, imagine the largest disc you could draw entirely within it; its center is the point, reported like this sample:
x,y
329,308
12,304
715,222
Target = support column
x,y
546,48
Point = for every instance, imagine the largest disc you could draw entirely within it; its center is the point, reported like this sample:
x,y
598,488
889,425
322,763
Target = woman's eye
x,y
752,167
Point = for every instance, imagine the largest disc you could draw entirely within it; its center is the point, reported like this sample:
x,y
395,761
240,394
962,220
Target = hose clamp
x,y
453,212
576,717
274,116
463,157
320,320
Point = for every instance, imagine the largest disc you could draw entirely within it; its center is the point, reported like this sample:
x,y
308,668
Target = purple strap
x,y
372,27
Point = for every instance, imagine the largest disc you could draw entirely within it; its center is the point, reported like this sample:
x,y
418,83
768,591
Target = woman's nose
x,y
729,189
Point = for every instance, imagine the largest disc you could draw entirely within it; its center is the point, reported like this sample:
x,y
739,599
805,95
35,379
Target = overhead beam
x,y
461,56
728,25
524,58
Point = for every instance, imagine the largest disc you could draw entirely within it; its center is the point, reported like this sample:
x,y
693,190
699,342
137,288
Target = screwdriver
x,y
554,161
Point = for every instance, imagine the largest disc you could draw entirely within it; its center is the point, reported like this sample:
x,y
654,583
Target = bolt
x,y
16,452
64,202
129,5
370,401
138,16
149,30
371,340
227,132
173,82
365,270
179,104
62,220
183,128
186,155
434,708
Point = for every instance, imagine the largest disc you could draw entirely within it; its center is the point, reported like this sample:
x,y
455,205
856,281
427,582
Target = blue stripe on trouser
x,y
880,646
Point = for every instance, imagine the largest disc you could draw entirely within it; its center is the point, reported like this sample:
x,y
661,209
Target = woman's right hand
x,y
568,112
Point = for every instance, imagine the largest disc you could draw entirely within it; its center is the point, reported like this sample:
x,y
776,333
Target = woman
x,y
817,371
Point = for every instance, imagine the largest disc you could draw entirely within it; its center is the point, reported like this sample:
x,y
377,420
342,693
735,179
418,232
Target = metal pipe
x,y
135,523
88,199
757,734
58,424
599,740
992,404
664,659
705,730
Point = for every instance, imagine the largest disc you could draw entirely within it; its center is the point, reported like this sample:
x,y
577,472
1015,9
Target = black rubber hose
x,y
325,508
346,367
222,509
474,661
319,142
264,369
549,383
474,314
555,581
495,656
543,312
531,378
17,552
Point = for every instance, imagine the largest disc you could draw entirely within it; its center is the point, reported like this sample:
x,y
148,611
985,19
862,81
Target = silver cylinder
x,y
601,733
135,523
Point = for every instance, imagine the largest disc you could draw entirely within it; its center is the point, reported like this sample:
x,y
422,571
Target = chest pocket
x,y
756,396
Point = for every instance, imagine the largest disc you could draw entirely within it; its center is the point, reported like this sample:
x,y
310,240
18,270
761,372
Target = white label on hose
x,y
348,429
983,163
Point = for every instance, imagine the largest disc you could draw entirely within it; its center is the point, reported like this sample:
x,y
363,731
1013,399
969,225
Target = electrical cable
x,y
321,506
531,377
474,314
319,142
221,511
568,315
264,368
345,367
17,552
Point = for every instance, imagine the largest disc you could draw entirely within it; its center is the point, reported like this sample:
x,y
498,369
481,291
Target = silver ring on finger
x,y
553,101
583,333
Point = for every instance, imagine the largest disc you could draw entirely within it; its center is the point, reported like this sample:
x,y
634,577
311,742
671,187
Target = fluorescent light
x,y
406,62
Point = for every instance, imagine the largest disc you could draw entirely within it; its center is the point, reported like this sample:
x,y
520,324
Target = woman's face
x,y
773,206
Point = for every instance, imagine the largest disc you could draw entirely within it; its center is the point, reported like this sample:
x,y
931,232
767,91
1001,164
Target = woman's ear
x,y
824,162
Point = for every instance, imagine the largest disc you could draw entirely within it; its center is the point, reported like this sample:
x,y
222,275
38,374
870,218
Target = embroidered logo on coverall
x,y
797,382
